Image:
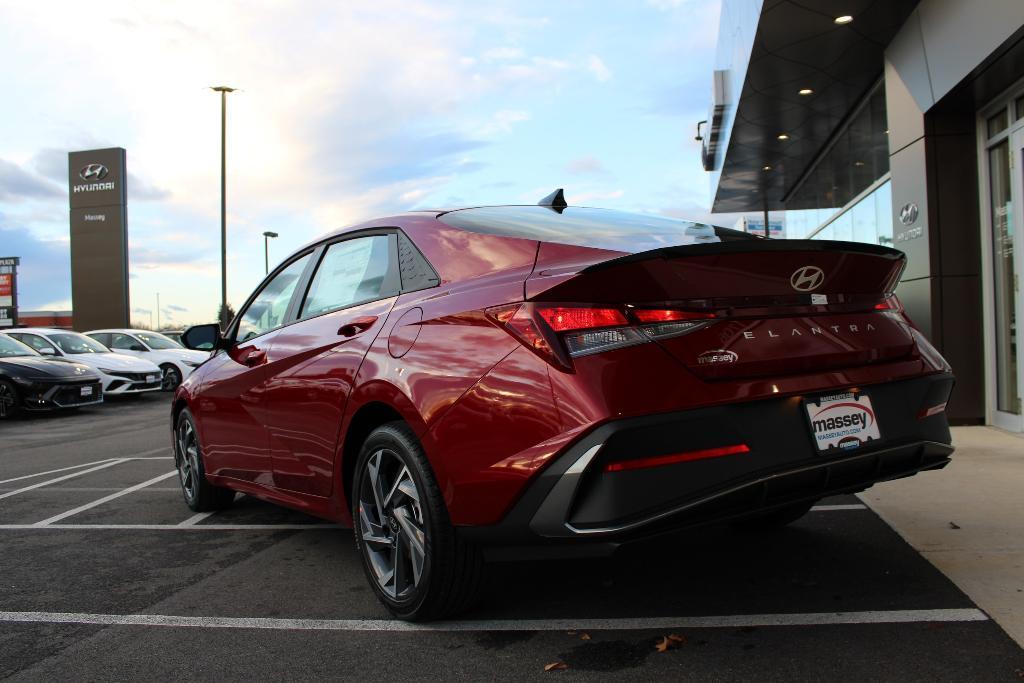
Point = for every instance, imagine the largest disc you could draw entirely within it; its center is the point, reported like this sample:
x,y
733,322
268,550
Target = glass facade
x,y
869,220
1001,200
831,202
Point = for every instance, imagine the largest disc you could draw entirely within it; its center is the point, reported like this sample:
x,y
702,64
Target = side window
x,y
123,342
351,272
268,309
36,342
101,337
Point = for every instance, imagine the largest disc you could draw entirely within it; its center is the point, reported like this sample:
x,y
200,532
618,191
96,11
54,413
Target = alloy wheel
x,y
170,378
188,464
391,524
8,401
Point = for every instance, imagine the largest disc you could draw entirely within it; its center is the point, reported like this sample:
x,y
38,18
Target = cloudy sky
x,y
347,110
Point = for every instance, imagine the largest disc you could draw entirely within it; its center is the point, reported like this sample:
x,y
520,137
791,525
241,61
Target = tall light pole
x,y
266,250
157,312
223,90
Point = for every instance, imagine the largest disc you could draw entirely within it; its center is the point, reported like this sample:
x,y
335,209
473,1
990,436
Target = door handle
x,y
354,327
255,357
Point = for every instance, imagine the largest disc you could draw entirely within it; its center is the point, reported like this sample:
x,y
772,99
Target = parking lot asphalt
x,y
105,574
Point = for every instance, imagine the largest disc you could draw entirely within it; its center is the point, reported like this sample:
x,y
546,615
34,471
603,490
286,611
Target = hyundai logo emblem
x,y
93,172
807,279
908,214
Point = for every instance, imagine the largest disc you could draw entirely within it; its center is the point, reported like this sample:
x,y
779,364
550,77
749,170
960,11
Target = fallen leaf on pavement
x,y
584,636
556,666
669,642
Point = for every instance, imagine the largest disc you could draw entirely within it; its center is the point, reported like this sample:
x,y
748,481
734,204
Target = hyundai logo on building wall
x,y
908,214
807,278
93,172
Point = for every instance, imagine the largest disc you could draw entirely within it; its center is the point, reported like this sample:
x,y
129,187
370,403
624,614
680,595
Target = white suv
x,y
175,361
121,374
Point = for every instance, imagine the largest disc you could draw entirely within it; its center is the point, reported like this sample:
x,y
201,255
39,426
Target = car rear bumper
x,y
575,500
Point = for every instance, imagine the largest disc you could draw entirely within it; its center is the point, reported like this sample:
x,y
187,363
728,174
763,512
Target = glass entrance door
x,y
1006,187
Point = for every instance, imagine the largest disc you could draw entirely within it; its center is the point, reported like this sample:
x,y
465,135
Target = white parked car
x,y
175,361
121,374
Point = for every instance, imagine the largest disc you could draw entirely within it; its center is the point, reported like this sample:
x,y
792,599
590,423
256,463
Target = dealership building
x,y
898,123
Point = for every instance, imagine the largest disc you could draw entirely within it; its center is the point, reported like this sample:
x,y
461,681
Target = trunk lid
x,y
760,307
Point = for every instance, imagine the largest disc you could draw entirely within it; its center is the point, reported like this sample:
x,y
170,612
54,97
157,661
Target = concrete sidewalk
x,y
968,520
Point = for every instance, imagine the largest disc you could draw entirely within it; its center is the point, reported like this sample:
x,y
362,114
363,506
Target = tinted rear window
x,y
599,228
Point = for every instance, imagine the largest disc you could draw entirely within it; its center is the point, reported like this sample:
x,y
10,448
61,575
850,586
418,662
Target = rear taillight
x,y
565,318
663,315
561,332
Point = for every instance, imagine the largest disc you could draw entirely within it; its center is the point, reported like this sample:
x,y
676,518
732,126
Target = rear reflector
x,y
659,460
934,410
564,318
890,303
647,315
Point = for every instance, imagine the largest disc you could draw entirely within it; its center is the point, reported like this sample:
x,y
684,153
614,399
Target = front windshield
x,y
157,341
9,348
73,343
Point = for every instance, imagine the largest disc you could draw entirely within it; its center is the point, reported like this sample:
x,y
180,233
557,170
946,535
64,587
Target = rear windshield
x,y
598,228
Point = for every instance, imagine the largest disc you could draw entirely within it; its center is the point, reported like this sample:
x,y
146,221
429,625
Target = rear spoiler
x,y
751,246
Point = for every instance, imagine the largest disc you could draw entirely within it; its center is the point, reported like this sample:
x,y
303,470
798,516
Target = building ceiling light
x,y
783,136
806,91
766,168
843,20
858,163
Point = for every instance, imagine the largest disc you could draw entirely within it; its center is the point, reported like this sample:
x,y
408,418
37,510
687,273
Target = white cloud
x,y
586,165
502,53
502,121
598,68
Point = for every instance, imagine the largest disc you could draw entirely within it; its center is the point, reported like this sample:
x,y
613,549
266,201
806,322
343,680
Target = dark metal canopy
x,y
799,46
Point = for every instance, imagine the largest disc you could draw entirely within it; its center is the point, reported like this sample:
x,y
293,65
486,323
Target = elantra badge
x,y
807,278
717,356
93,172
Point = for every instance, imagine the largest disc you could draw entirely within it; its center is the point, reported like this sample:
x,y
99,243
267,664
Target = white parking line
x,y
59,479
834,508
62,469
195,519
627,624
104,499
164,527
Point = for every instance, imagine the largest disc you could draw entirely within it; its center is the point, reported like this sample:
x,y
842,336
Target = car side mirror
x,y
47,351
202,337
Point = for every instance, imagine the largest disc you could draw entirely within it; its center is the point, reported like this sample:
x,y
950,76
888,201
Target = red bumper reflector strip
x,y
659,460
934,410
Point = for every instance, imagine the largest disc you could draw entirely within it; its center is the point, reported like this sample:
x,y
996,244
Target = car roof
x,y
129,330
40,330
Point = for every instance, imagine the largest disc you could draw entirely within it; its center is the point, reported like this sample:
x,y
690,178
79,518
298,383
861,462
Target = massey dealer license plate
x,y
151,378
843,421
86,391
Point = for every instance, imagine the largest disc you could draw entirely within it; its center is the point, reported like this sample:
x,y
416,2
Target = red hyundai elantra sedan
x,y
550,380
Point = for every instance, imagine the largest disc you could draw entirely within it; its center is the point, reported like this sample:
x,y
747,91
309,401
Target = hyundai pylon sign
x,y
99,238
8,291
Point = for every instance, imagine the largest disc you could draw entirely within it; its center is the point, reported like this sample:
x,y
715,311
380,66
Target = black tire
x,y
450,569
170,377
10,400
199,494
775,519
